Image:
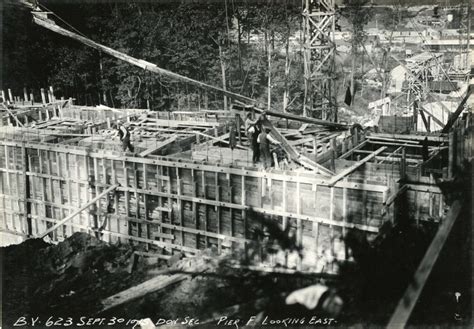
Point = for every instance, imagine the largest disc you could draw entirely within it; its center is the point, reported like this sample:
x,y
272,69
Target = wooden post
x,y
25,94
10,96
51,93
403,164
412,293
43,96
238,126
3,96
355,136
32,99
452,145
60,108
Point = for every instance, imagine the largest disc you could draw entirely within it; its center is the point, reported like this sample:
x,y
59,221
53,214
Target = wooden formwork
x,y
175,205
166,200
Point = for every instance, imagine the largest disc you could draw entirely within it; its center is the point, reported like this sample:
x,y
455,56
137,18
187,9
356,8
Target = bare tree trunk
x,y
223,75
287,72
353,64
239,46
269,86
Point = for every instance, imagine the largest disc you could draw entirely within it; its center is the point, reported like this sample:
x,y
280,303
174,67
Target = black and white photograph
x,y
228,164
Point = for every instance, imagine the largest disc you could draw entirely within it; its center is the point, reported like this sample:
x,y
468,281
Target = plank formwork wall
x,y
174,205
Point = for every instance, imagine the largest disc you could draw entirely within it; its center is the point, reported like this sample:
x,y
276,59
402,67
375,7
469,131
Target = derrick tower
x,y
319,22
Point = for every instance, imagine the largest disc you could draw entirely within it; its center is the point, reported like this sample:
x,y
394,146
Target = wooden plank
x,y
157,283
356,165
159,146
293,154
182,163
407,303
351,151
87,205
12,114
435,119
458,111
296,117
213,203
403,138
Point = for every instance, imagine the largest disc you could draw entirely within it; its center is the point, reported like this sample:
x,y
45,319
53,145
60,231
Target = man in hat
x,y
124,135
264,139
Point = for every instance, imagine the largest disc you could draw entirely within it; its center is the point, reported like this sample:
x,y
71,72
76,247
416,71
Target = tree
x,y
358,13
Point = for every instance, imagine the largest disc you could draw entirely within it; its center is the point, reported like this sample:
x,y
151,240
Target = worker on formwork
x,y
250,127
253,138
264,139
124,135
280,158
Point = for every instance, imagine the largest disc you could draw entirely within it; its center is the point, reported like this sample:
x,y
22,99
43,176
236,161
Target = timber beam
x,y
78,211
352,168
407,303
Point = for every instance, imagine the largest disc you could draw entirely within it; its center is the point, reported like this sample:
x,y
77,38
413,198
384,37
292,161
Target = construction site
x,y
144,216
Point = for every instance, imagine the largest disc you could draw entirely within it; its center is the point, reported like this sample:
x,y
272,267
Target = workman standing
x,y
124,135
264,139
250,126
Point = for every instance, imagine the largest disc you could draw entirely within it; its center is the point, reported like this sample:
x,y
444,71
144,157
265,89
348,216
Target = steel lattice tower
x,y
319,22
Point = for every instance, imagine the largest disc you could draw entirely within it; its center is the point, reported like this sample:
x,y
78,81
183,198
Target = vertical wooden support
x,y
51,93
331,210
25,95
4,99
43,96
430,203
244,213
315,224
32,99
355,136
441,206
285,219
344,145
344,209
10,96
299,226
97,214
33,196
417,209
451,157
26,186
43,185
195,206
180,204
403,164
88,187
238,124
145,204
218,216
78,187
334,146
69,191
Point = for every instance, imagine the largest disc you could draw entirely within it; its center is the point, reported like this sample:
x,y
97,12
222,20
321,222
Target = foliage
x,y
181,37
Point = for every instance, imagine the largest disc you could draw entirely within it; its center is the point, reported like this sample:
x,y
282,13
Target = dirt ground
x,y
71,279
